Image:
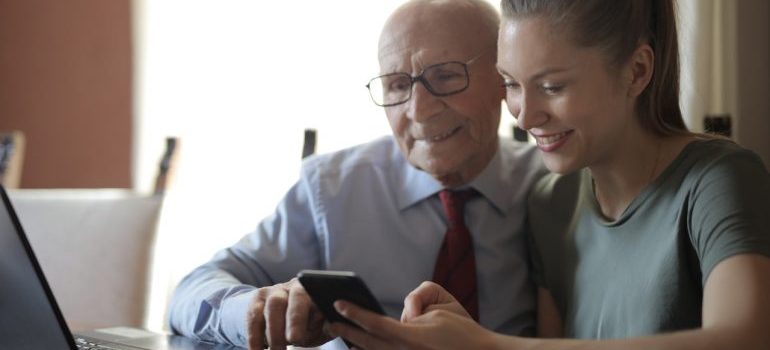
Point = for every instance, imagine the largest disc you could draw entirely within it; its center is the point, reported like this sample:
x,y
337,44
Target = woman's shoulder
x,y
716,146
722,158
555,186
556,195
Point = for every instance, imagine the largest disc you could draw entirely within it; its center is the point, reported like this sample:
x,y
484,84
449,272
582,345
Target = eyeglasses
x,y
442,79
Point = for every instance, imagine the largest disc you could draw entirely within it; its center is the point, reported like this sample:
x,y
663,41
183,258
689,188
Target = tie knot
x,y
454,204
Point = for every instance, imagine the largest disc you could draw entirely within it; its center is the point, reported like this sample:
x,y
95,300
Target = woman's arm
x,y
549,323
736,312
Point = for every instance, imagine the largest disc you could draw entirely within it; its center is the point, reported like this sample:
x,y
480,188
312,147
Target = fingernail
x,y
339,306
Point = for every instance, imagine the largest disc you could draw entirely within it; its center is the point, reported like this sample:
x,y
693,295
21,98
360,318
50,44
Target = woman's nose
x,y
526,110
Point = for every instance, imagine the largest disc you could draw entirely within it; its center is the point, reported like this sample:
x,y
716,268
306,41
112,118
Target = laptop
x,y
30,318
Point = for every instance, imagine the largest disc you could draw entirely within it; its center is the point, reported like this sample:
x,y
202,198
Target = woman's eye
x,y
510,84
552,89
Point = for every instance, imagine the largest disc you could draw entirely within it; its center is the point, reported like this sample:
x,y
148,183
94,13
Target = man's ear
x,y
639,70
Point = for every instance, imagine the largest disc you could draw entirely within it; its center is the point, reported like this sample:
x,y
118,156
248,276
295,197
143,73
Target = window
x,y
238,81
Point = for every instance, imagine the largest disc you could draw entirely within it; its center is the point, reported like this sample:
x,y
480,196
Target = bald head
x,y
467,24
451,135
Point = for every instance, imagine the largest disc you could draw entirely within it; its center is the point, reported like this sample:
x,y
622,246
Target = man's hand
x,y
283,315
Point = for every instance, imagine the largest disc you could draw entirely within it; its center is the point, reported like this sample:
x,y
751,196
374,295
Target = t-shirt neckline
x,y
645,193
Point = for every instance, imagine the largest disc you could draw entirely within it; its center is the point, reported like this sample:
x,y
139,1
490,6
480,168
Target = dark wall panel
x,y
66,82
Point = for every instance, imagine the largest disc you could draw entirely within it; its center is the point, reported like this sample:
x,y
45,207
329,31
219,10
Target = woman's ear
x,y
640,68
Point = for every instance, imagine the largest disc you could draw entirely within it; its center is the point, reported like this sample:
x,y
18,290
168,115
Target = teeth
x,y
550,139
442,136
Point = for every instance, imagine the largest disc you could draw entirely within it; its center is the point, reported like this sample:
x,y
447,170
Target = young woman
x,y
656,238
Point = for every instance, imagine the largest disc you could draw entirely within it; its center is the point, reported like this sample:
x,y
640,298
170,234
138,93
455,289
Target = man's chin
x,y
435,169
451,180
447,168
448,176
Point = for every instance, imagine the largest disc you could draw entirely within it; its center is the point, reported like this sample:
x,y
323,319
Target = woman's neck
x,y
625,173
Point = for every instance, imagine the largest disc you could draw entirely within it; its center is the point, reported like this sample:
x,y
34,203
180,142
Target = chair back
x,y
166,165
308,143
94,247
11,158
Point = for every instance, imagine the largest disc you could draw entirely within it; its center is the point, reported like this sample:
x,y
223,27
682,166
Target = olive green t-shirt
x,y
644,273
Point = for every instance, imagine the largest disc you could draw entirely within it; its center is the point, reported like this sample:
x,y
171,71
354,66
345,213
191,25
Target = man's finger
x,y
298,316
275,318
255,325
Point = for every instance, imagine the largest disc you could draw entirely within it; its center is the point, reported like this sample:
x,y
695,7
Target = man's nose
x,y
423,104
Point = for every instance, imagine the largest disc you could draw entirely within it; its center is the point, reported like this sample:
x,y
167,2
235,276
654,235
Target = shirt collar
x,y
417,185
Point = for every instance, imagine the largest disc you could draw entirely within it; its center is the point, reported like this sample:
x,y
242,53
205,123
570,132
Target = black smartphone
x,y
326,287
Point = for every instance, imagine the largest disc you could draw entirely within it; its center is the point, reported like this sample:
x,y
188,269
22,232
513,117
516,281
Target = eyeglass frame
x,y
425,83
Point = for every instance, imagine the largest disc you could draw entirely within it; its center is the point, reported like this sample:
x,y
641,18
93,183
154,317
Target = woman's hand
x,y
437,329
427,297
432,319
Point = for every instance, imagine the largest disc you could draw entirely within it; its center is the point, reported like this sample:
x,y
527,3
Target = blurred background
x,y
96,86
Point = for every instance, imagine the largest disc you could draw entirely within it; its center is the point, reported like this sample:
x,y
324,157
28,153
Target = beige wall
x,y
65,81
753,76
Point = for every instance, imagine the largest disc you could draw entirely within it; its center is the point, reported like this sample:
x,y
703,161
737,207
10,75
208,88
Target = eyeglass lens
x,y
441,80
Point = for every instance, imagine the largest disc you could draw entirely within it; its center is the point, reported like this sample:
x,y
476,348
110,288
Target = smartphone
x,y
326,287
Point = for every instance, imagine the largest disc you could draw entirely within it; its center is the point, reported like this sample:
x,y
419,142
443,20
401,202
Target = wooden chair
x,y
166,165
520,134
308,143
95,247
11,158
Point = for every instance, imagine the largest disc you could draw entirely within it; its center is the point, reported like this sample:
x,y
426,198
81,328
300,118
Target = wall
x,y
753,75
65,80
65,69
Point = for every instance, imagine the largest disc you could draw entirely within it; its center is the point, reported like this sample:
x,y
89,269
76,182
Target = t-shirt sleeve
x,y
536,227
730,209
535,260
551,207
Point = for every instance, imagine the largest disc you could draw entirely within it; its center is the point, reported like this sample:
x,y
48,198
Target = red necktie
x,y
456,264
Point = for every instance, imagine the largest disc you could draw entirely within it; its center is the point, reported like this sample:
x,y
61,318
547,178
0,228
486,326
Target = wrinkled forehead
x,y
413,58
411,42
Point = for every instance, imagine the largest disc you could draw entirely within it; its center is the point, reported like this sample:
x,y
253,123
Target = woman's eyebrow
x,y
539,75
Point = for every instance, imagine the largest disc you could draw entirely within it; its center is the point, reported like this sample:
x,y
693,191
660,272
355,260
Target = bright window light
x,y
238,81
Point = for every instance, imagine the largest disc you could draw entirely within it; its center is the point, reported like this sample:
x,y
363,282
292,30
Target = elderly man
x,y
384,209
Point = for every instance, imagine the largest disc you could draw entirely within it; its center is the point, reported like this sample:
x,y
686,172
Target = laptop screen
x,y
28,319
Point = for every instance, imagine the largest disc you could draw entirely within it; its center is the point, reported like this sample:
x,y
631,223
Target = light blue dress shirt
x,y
365,209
